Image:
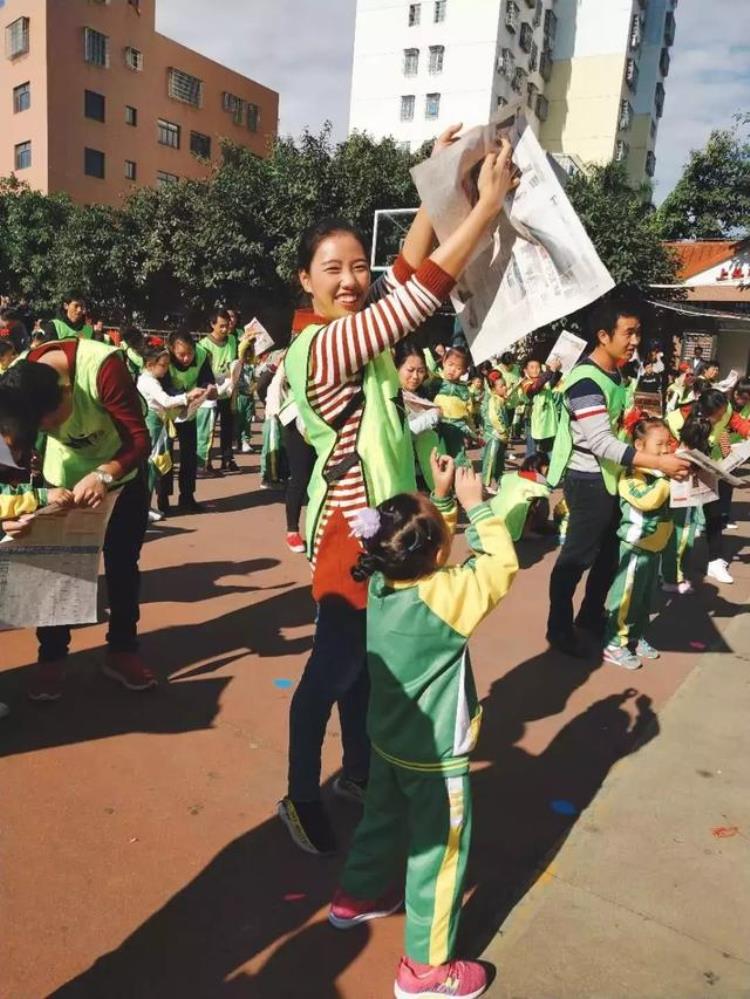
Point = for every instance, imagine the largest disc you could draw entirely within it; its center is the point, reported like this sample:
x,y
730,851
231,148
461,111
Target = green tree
x,y
712,198
622,225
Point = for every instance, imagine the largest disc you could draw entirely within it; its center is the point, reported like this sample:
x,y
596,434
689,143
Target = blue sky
x,y
303,49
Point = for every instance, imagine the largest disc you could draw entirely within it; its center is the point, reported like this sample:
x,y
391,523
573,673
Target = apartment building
x,y
591,72
607,89
96,102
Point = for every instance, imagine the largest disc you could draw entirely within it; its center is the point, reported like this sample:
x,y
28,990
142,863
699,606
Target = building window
x,y
542,107
506,64
533,57
512,15
253,117
531,94
651,163
21,97
133,58
545,65
163,178
411,62
23,156
437,54
653,128
169,133
186,88
200,145
538,11
17,38
526,37
659,99
626,115
415,14
234,105
440,10
432,106
94,105
669,28
636,31
407,107
664,61
622,150
93,163
95,47
631,74
131,115
550,26
131,170
519,78
501,102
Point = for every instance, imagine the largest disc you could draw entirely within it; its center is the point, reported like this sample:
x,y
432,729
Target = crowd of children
x,y
378,433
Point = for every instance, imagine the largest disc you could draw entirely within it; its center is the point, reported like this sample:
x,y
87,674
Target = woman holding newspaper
x,y
81,395
346,387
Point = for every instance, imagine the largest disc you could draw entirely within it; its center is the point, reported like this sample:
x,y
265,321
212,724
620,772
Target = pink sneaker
x,y
295,543
130,670
464,979
347,911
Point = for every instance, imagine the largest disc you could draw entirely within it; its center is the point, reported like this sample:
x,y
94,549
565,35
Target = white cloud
x,y
709,81
303,49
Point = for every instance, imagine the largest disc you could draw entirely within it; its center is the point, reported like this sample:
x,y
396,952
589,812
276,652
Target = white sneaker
x,y
718,570
731,526
246,448
154,516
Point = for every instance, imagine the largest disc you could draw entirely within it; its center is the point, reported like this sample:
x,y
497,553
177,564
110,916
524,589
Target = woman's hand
x,y
497,178
443,473
60,497
17,528
90,491
446,140
469,492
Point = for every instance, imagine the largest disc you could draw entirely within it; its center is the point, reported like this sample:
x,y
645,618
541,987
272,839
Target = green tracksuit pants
x,y
493,461
206,422
674,556
273,460
427,819
630,596
454,442
245,412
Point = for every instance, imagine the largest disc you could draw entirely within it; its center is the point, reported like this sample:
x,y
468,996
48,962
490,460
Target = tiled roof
x,y
696,256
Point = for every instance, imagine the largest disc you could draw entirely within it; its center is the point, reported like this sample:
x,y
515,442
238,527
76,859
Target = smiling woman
x,y
346,388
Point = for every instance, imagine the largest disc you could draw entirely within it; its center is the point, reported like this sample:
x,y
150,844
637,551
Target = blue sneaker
x,y
621,656
646,651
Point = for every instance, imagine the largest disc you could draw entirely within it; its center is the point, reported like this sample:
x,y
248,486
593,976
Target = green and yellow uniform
x,y
457,421
517,492
221,358
644,532
423,721
496,427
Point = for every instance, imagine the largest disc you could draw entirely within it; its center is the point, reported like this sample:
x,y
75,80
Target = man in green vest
x,y
589,457
222,347
72,321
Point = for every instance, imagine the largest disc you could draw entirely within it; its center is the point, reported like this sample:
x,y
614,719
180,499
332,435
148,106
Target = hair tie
x,y
365,523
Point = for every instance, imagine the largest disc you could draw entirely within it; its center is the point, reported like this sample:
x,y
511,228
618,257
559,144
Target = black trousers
x,y
122,549
187,435
718,515
225,416
591,543
301,458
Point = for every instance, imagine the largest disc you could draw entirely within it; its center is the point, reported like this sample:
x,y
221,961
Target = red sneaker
x,y
295,543
347,911
464,979
130,670
47,682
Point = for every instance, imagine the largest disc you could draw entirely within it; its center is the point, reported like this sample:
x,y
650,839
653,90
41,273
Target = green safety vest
x,y
544,417
223,355
676,421
186,380
384,444
89,437
514,497
66,332
615,397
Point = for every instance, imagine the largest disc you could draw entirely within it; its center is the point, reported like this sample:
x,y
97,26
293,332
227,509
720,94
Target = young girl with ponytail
x,y
423,720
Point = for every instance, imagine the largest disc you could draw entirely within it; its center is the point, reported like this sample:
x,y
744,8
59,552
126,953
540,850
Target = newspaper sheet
x,y
567,350
262,339
738,455
695,490
712,467
49,576
536,263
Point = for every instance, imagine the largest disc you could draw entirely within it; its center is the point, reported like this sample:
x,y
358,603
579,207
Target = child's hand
x,y
17,528
443,473
468,488
60,497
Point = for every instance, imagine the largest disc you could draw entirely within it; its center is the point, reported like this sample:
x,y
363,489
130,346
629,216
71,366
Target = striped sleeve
x,y
588,408
345,346
390,280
